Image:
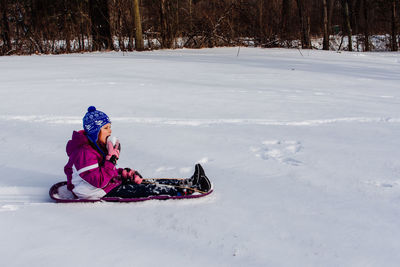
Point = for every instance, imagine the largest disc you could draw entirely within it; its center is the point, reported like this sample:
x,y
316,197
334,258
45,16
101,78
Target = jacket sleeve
x,y
68,171
88,167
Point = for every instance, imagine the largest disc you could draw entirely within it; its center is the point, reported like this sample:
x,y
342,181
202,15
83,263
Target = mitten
x,y
137,179
127,173
113,152
132,175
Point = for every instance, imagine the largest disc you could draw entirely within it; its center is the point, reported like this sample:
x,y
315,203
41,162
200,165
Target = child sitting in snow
x,y
91,170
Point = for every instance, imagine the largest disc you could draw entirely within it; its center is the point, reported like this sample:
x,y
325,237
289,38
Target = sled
x,y
59,193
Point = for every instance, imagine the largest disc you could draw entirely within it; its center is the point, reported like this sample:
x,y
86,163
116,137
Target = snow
x,y
302,149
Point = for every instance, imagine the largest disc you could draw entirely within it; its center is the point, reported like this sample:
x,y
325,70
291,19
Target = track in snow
x,y
199,122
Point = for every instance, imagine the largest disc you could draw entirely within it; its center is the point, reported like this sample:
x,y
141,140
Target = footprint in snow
x,y
281,151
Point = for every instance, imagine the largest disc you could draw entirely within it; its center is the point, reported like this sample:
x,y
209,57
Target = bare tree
x,y
366,26
5,28
325,45
67,24
305,25
139,45
345,4
190,16
331,4
285,15
394,27
30,26
166,41
100,19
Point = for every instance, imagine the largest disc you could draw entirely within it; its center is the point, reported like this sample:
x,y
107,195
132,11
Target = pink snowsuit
x,y
88,175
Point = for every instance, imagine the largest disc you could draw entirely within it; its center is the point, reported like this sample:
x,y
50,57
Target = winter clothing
x,y
88,175
91,171
131,175
131,190
92,123
113,152
137,179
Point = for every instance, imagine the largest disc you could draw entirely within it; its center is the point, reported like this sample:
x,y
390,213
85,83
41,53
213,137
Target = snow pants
x,y
132,190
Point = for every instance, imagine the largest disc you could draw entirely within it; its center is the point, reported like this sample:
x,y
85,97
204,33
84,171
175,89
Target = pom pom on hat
x,y
93,121
91,109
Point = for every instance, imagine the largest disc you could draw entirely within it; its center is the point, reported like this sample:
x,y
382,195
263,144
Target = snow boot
x,y
199,179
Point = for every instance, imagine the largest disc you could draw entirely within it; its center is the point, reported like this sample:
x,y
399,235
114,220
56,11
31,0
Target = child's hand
x,y
132,175
113,152
127,173
137,179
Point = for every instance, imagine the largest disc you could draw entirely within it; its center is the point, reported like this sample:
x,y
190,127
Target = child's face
x,y
105,132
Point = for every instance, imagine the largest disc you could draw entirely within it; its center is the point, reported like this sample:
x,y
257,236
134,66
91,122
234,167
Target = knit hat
x,y
93,121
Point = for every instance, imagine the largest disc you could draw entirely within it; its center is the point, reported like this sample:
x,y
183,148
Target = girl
x,y
91,169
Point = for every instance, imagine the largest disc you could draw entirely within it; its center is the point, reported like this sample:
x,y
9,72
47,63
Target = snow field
x,y
302,151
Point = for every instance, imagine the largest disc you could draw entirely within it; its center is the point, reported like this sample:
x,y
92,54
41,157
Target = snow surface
x,y
302,148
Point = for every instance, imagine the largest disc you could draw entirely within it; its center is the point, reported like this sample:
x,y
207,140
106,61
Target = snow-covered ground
x,y
303,151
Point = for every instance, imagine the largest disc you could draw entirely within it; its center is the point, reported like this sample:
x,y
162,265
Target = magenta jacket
x,y
88,175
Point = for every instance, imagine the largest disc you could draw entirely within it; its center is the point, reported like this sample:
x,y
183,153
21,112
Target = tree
x,y
394,27
139,45
285,15
326,33
305,25
5,28
30,26
100,19
166,41
366,26
345,5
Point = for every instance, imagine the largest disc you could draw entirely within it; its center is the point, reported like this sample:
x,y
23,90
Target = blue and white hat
x,y
93,121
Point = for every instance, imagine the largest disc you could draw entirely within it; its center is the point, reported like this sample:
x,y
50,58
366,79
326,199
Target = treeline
x,y
64,26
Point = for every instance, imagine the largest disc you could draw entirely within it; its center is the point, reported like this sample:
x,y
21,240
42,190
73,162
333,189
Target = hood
x,y
78,140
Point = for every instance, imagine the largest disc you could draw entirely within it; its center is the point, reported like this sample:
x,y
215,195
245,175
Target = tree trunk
x,y
82,29
345,5
5,33
394,27
284,19
118,28
34,26
366,27
139,45
331,4
326,34
305,25
356,17
163,22
100,19
177,28
261,31
166,33
67,26
190,18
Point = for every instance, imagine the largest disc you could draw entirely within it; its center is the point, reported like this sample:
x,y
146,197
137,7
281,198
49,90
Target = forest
x,y
68,26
